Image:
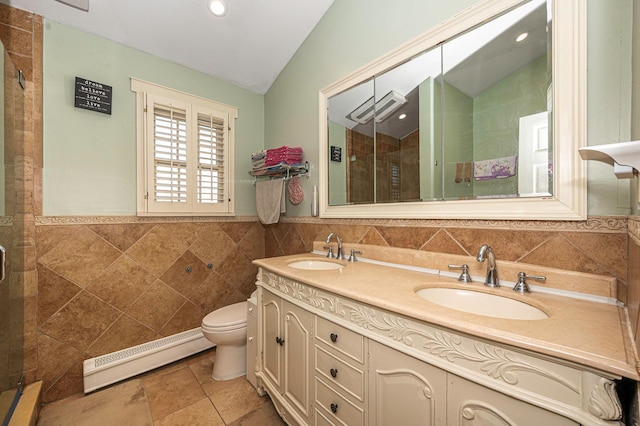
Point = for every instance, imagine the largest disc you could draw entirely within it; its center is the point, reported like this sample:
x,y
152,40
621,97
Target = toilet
x,y
227,329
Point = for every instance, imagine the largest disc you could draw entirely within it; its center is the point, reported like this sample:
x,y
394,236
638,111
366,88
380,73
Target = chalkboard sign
x,y
336,154
93,96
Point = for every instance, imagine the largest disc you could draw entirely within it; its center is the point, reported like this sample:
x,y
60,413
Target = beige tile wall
x,y
597,246
108,283
103,287
633,294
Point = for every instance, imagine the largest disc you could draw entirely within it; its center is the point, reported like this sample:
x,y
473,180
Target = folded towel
x,y
496,168
270,200
258,155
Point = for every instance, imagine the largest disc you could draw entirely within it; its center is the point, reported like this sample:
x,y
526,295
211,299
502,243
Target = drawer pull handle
x,y
279,341
333,337
334,408
334,372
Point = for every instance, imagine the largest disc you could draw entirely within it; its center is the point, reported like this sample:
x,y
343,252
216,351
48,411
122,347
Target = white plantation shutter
x,y
212,135
169,155
188,154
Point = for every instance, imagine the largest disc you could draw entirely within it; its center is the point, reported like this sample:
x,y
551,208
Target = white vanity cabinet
x,y
469,404
404,390
330,360
340,376
284,344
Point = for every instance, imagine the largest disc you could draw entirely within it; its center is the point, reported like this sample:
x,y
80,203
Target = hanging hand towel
x,y
458,178
295,191
496,168
269,200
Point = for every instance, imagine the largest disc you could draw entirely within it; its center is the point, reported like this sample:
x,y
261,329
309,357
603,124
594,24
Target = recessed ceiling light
x,y
218,7
522,37
402,116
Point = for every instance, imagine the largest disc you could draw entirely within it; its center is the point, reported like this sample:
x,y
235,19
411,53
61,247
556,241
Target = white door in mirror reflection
x,y
533,158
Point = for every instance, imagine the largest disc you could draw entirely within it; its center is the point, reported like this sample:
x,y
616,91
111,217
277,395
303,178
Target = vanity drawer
x,y
341,339
336,408
322,419
334,370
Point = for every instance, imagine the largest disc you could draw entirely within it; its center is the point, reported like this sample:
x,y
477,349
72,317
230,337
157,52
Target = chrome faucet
x,y
486,252
339,254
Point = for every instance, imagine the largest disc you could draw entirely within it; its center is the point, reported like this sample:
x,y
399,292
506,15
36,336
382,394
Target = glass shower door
x,y
11,235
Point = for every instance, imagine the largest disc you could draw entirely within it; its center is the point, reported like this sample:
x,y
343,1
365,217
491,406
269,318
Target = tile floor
x,y
182,393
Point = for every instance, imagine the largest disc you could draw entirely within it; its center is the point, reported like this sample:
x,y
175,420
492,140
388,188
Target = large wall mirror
x,y
485,124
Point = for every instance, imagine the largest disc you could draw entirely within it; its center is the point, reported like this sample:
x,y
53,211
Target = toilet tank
x,y
252,337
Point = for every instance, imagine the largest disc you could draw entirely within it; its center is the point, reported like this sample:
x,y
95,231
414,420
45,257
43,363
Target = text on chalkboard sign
x,y
336,154
93,96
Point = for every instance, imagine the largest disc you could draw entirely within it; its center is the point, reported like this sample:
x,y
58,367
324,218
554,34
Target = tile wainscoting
x,y
109,283
598,245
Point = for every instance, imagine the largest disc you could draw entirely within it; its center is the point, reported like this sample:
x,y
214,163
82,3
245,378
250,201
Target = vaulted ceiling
x,y
248,46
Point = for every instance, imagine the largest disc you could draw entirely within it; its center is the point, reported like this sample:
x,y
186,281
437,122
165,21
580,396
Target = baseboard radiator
x,y
111,368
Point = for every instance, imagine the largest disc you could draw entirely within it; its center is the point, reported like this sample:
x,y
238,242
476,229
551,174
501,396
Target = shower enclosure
x,y
12,236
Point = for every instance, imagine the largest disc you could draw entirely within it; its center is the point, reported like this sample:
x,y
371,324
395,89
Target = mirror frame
x,y
569,76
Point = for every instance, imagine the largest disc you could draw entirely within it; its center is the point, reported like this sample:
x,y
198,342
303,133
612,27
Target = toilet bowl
x,y
227,329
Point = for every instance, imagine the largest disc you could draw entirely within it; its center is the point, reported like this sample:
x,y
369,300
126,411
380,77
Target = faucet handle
x,y
464,276
522,286
330,252
352,256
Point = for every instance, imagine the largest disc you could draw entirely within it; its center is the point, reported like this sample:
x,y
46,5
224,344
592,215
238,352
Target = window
x,y
185,153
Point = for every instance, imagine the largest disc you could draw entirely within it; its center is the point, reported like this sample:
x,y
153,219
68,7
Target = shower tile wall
x,y
105,287
21,35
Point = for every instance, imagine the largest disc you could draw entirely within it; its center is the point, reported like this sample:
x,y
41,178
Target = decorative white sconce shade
x,y
623,156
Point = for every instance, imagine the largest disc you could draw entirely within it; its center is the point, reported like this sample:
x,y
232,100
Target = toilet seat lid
x,y
227,316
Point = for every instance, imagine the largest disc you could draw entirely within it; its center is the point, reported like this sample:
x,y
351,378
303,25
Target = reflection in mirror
x,y
495,97
408,130
450,123
352,178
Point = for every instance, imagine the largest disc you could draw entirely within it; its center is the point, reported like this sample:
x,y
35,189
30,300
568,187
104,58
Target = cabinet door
x,y
271,333
473,404
404,390
297,366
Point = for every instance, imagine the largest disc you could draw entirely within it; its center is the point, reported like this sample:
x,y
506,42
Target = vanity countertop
x,y
587,332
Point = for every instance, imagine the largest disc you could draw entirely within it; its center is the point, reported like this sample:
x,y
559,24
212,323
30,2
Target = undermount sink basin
x,y
315,265
486,304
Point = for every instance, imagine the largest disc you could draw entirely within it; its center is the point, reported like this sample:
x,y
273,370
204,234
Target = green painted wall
x,y
90,158
458,141
496,120
337,171
430,151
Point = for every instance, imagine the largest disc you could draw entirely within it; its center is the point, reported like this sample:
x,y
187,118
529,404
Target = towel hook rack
x,y
283,171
